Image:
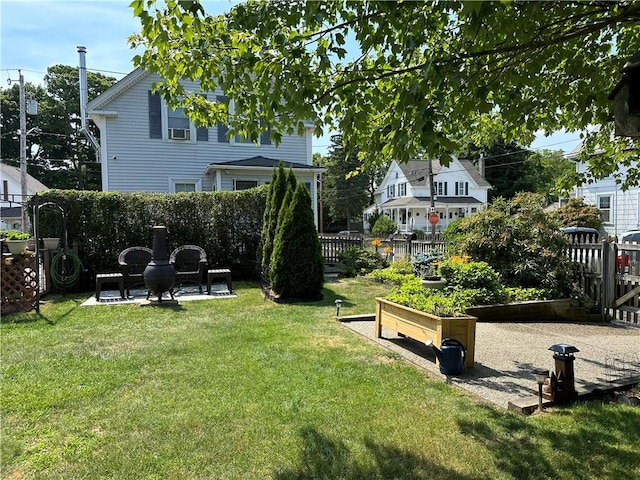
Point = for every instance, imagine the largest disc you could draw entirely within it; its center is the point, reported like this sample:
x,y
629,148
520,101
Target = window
x,y
166,123
441,188
178,124
402,189
462,189
184,185
244,184
391,191
604,204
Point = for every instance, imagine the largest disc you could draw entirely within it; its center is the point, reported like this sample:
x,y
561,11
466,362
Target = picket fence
x,y
607,273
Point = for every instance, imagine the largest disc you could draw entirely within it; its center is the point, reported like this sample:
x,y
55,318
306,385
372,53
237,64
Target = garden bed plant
x,y
468,284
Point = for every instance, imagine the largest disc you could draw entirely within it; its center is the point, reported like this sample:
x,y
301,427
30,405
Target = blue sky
x,y
38,34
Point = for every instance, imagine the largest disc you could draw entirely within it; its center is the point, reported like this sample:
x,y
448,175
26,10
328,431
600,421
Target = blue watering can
x,y
451,355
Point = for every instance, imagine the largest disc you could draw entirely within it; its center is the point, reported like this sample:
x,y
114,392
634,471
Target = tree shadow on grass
x,y
590,449
326,458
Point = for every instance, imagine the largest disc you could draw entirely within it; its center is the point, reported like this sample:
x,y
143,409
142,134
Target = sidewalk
x,y
507,353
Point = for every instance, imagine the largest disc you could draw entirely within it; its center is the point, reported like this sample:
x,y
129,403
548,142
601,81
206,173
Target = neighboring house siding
x,y
150,164
623,213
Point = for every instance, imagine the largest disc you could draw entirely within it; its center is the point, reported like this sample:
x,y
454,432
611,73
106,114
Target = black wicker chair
x,y
132,262
190,262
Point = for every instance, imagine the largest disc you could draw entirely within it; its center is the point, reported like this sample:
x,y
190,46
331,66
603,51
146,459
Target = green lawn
x,y
243,388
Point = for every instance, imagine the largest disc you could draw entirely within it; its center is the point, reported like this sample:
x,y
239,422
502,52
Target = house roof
x,y
11,212
33,185
417,171
425,202
260,162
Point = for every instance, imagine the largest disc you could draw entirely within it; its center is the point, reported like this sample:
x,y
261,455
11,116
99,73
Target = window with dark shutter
x,y
155,115
222,128
202,133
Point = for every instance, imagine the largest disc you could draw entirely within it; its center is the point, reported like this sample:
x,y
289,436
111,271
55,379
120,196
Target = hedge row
x,y
102,224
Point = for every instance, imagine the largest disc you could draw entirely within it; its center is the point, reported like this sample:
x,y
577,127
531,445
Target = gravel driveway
x,y
506,354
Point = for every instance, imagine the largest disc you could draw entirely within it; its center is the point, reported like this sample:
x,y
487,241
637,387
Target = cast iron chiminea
x,y
160,275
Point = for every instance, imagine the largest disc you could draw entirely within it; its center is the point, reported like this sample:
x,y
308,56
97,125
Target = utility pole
x,y
433,203
23,151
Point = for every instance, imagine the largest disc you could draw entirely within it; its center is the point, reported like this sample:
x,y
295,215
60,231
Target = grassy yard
x,y
246,389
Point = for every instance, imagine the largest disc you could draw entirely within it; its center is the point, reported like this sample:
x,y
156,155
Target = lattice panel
x,y
19,283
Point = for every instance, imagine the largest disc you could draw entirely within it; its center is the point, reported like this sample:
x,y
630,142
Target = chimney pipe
x,y
481,165
82,52
82,71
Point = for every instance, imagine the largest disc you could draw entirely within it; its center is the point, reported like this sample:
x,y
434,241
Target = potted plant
x,y
425,267
51,243
16,241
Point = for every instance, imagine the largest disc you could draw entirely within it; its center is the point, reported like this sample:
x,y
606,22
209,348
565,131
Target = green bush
x,y
470,275
384,226
396,273
437,302
102,224
359,261
275,197
519,240
297,264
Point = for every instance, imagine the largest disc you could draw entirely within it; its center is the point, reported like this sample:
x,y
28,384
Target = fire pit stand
x,y
160,275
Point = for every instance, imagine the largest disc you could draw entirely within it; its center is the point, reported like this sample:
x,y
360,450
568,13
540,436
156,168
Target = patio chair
x,y
133,261
190,262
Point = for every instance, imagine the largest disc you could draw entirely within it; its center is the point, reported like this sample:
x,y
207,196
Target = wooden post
x,y
607,289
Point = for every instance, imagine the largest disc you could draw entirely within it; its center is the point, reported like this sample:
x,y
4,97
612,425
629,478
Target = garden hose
x,y
60,277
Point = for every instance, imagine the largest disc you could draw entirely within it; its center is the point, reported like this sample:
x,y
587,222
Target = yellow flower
x,y
376,242
459,259
388,250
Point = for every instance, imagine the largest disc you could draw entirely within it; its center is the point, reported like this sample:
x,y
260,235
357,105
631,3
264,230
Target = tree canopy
x,y
57,153
398,79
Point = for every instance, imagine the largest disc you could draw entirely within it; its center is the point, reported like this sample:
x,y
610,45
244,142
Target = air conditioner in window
x,y
179,134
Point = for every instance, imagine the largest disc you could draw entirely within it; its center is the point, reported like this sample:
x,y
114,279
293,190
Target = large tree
x,y
345,193
398,79
57,152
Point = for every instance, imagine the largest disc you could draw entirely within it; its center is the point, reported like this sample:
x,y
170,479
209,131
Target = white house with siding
x,y
404,194
12,201
145,146
619,210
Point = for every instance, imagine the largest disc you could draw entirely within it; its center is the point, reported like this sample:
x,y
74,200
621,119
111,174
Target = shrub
x,y
275,197
373,218
384,226
297,264
519,240
359,261
396,273
470,275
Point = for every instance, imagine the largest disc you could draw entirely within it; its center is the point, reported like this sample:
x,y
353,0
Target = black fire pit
x,y
160,275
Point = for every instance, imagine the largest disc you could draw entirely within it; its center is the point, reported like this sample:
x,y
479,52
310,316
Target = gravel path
x,y
506,354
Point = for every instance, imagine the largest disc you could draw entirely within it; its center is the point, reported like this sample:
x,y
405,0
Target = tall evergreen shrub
x,y
275,196
297,265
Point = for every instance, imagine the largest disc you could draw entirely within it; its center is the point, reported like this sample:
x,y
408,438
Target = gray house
x,y
145,146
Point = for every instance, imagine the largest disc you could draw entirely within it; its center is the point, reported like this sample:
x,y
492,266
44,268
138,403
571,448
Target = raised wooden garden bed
x,y
423,326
